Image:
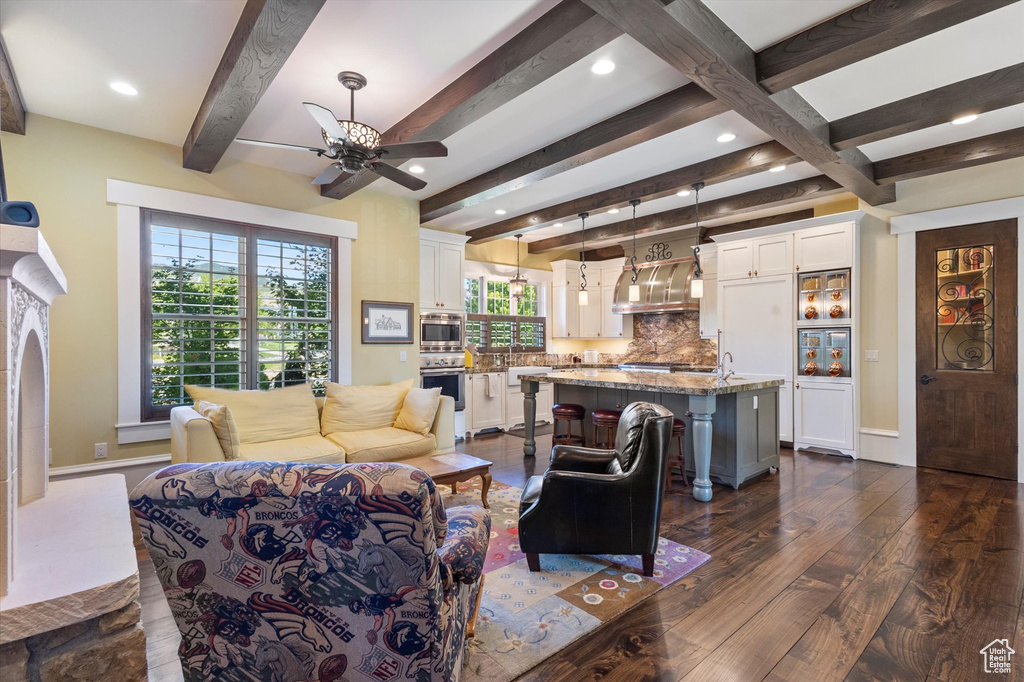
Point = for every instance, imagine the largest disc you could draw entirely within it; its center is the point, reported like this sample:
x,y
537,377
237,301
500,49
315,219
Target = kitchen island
x,y
735,423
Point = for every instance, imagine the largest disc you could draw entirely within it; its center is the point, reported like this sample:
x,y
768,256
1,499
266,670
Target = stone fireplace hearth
x,y
69,581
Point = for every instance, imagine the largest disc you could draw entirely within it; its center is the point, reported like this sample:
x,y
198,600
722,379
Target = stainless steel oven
x,y
446,371
442,332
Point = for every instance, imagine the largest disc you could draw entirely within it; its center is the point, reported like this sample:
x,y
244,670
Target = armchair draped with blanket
x,y
287,571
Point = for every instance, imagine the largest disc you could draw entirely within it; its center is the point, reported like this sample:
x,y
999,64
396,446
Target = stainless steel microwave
x,y
442,332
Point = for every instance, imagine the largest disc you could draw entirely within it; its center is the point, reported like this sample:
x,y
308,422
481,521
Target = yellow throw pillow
x,y
358,408
262,416
223,426
419,410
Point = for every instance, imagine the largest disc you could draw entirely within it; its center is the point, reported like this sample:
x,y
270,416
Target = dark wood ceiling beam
x,y
266,33
604,253
689,37
764,221
12,108
1008,144
988,92
567,33
727,207
859,33
676,109
729,166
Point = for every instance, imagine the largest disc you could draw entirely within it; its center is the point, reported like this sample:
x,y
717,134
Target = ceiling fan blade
x,y
412,150
329,175
327,121
280,145
397,175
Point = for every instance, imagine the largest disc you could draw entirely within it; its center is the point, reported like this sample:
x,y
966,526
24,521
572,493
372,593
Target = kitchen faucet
x,y
722,376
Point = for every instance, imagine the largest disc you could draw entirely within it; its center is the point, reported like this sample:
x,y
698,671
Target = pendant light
x,y
584,296
634,288
696,282
517,285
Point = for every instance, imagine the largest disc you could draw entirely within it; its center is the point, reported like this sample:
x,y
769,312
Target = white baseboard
x,y
134,469
883,445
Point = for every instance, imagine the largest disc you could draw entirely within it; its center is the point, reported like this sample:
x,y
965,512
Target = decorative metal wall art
x,y
658,251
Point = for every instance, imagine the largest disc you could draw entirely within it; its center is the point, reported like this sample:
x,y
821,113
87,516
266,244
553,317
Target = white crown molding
x,y
1001,209
441,236
796,225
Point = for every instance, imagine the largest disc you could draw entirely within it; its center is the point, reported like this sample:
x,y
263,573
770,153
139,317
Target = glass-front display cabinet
x,y
825,353
823,297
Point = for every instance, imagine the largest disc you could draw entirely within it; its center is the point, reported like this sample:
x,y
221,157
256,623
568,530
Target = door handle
x,y
925,379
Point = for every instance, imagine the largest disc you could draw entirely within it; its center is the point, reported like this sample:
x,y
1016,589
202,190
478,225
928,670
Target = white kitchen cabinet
x,y
442,271
823,415
570,320
756,316
565,321
735,260
709,308
824,248
761,257
514,408
786,412
590,314
488,396
546,403
773,255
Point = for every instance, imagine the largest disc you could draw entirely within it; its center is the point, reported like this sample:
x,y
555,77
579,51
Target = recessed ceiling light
x,y
960,120
557,225
777,169
500,211
726,137
613,210
415,169
603,67
123,88
683,193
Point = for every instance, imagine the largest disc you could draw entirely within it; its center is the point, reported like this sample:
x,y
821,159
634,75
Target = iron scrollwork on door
x,y
965,308
658,251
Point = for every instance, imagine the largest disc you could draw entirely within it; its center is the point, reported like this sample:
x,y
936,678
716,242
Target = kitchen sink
x,y
515,372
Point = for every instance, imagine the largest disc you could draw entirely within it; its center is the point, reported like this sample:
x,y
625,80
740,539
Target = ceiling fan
x,y
355,146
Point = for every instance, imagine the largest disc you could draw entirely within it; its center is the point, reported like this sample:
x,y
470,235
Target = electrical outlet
x,y
99,451
401,356
871,356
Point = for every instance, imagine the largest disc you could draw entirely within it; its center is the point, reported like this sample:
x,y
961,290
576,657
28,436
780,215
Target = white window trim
x,y
129,199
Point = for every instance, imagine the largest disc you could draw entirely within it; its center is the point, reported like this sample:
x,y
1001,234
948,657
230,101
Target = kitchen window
x,y
233,306
496,322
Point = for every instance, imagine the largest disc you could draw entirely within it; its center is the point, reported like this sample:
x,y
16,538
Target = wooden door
x,y
967,349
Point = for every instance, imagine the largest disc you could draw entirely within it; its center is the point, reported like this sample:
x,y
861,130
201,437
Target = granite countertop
x,y
660,382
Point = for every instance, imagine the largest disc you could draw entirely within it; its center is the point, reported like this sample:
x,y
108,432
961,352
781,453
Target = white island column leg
x,y
530,389
702,407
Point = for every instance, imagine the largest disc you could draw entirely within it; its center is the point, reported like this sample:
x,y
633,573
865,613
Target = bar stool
x,y
678,431
605,419
569,413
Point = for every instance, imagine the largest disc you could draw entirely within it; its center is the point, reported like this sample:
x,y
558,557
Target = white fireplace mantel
x,y
26,258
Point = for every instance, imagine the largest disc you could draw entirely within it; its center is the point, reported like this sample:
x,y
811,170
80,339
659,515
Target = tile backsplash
x,y
671,337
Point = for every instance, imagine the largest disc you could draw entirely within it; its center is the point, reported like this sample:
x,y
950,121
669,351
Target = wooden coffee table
x,y
454,467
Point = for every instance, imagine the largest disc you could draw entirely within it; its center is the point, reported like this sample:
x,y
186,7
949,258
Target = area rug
x,y
526,617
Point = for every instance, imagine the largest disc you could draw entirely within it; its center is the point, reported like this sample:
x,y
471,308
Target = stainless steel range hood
x,y
664,288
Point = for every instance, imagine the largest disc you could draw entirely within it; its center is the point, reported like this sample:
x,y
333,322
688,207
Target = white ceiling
x,y
65,53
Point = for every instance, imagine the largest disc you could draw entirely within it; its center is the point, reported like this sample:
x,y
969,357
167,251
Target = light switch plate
x,y
871,356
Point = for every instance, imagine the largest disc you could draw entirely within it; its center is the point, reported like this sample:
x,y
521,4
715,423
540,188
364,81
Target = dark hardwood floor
x,y
829,570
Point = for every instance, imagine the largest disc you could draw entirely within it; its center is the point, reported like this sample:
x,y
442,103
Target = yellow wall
x,y
878,270
63,168
503,251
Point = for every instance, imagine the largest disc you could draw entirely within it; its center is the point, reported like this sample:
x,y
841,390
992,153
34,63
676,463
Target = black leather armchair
x,y
601,501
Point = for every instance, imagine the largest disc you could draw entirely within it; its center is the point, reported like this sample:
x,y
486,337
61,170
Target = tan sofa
x,y
193,439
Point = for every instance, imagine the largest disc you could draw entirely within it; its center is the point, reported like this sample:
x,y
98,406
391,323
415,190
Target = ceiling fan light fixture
x,y
359,133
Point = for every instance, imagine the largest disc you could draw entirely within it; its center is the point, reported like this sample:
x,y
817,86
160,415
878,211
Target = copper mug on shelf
x,y
811,353
837,353
835,311
837,295
835,369
810,312
810,369
811,297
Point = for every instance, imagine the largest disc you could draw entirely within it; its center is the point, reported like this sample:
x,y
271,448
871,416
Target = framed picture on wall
x,y
385,322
